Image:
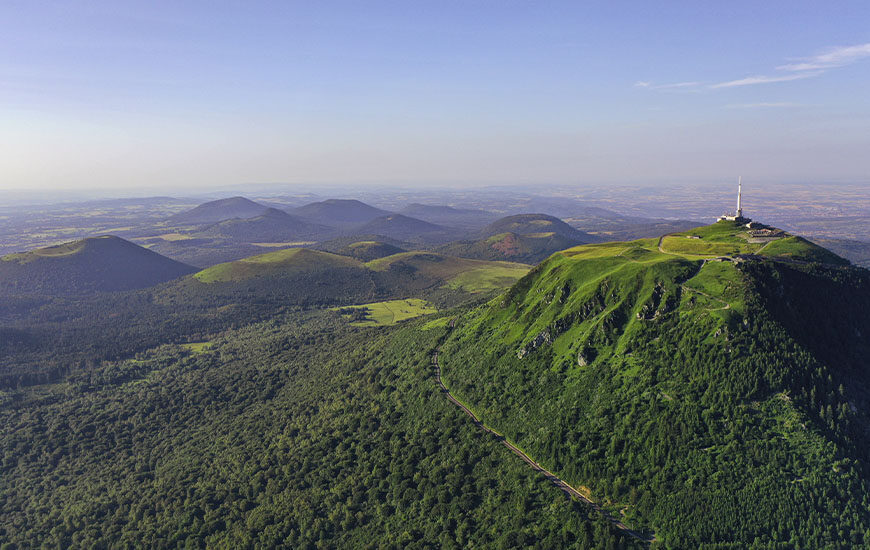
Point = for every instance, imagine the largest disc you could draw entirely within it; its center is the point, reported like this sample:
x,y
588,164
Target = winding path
x,y
551,477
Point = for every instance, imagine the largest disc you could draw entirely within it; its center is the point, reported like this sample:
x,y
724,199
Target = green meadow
x,y
387,313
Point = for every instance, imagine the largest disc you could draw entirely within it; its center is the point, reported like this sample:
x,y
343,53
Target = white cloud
x,y
808,67
836,57
763,79
677,85
764,105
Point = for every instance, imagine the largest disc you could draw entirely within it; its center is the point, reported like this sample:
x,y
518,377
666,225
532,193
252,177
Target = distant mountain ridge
x,y
96,264
219,210
403,228
339,212
272,225
447,215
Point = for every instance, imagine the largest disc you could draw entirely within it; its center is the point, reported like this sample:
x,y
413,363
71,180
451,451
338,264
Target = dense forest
x,y
299,431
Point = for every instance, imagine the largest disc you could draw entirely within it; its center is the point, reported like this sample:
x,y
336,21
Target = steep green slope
x,y
95,264
714,403
299,432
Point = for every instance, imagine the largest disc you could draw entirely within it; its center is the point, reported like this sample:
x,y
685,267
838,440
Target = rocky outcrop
x,y
660,303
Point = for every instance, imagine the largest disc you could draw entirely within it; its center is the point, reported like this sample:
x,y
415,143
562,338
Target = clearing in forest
x,y
385,313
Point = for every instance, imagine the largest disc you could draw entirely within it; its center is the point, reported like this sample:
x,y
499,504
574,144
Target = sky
x,y
122,94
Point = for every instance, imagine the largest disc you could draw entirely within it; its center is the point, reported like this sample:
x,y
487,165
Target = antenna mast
x,y
739,196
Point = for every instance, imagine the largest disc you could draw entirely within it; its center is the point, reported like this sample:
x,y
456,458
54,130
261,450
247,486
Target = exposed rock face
x,y
660,303
593,307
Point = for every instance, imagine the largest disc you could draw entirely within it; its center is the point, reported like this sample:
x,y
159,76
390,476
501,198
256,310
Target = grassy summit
x,y
708,402
727,238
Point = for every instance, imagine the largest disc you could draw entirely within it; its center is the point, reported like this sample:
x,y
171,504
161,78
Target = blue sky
x,y
174,94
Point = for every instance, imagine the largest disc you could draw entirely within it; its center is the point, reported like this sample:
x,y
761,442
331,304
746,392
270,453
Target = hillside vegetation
x,y
524,224
712,403
298,432
339,212
97,264
272,225
385,313
369,250
404,228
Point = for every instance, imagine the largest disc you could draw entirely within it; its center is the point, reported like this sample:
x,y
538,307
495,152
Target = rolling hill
x,y
403,228
524,224
530,248
272,226
314,277
339,212
95,264
219,210
703,387
466,218
289,262
369,250
421,270
344,242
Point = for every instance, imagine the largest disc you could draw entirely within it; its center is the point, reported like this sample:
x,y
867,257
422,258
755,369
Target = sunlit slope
x,y
95,264
459,273
281,263
305,276
711,402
